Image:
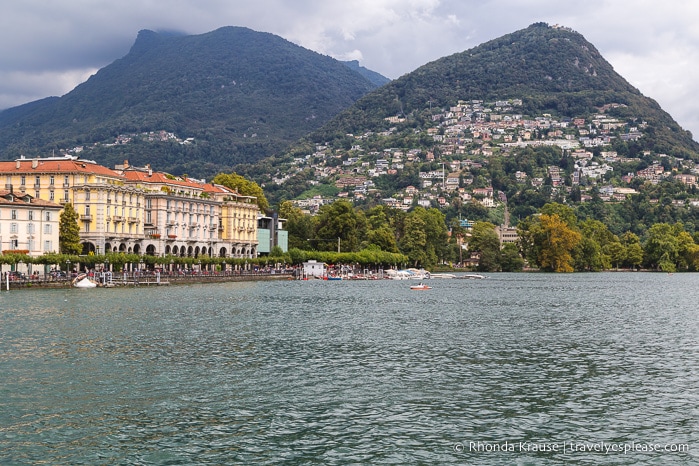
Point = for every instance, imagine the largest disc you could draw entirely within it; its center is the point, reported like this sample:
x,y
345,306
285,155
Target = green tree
x,y
413,243
661,249
485,241
69,231
338,220
243,186
590,254
510,260
298,224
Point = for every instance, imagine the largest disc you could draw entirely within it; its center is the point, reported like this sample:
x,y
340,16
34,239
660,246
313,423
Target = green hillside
x,y
553,70
241,94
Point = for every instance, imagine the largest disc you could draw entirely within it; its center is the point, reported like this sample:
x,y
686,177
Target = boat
x,y
472,276
83,281
420,286
442,275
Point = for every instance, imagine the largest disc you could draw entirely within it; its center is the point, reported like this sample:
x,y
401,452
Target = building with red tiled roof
x,y
137,210
28,225
188,217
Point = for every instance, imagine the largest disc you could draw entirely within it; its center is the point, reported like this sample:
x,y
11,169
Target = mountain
x,y
376,78
240,94
552,69
553,74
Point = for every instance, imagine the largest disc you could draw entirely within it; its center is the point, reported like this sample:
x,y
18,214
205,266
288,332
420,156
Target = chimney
x,y
126,164
35,163
17,164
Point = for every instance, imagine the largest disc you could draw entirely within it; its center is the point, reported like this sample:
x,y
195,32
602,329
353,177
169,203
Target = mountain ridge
x,y
240,93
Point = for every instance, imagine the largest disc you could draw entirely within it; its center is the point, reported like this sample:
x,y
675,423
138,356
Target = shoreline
x,y
147,281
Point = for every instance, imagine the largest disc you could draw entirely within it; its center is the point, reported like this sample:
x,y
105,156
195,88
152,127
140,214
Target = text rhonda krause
x,y
571,447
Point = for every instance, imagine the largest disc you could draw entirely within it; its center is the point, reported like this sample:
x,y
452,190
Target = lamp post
x,y
199,264
223,265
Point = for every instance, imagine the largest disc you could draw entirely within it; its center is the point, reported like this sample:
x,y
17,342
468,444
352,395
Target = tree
x,y
510,260
485,240
69,231
243,186
549,241
298,224
590,254
413,243
662,247
338,220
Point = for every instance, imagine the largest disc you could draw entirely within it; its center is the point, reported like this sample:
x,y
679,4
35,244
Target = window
x,y
51,196
65,180
23,180
65,195
48,229
37,180
52,180
31,215
13,215
48,246
14,228
30,228
149,218
87,194
87,210
14,244
37,194
48,216
30,244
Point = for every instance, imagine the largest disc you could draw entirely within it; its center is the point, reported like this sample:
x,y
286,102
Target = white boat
x,y
472,276
442,275
83,281
420,287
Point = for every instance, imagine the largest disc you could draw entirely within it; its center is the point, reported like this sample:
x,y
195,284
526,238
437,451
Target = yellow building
x,y
110,211
136,210
188,217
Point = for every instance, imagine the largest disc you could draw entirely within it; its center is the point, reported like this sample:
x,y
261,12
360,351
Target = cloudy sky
x,y
47,48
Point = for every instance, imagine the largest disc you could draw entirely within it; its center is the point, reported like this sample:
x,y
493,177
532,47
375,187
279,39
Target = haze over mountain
x,y
241,94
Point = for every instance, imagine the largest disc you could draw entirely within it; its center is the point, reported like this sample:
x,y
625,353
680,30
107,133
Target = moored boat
x,y
83,281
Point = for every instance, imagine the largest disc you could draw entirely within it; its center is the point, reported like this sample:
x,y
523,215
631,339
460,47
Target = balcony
x,y
171,237
118,218
133,219
86,218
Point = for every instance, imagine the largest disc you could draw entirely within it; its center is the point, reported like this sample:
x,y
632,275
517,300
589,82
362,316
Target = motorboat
x,y
472,276
420,286
83,281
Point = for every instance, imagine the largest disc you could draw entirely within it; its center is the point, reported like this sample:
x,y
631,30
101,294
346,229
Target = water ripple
x,y
352,372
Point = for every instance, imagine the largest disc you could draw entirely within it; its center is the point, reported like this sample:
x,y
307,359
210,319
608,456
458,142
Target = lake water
x,y
514,369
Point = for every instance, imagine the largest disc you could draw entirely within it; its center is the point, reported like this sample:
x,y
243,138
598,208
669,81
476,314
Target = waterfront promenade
x,y
134,279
